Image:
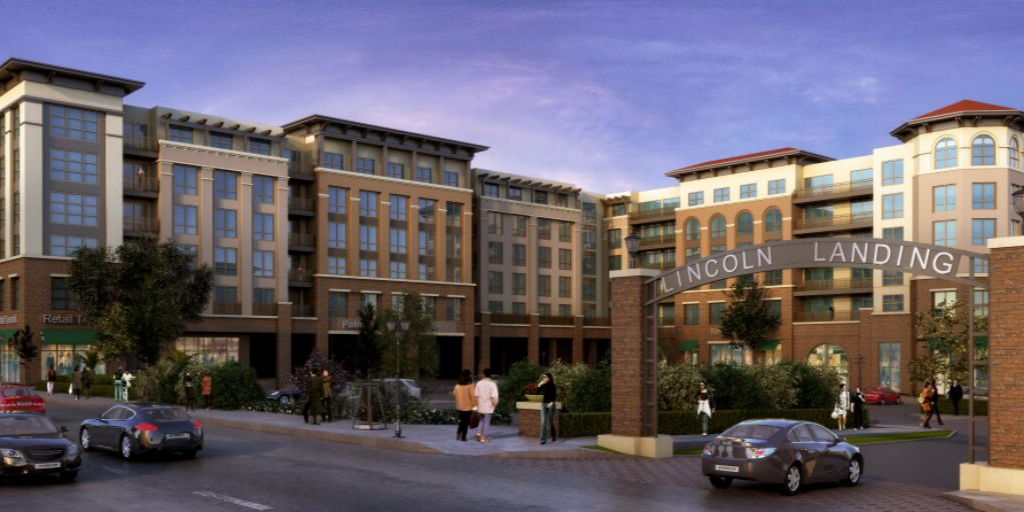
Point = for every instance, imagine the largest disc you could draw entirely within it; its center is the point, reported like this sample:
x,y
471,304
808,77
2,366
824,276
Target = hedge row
x,y
687,423
100,390
980,407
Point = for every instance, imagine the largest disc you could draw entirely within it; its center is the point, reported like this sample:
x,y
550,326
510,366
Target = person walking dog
x,y
486,401
548,389
464,400
705,407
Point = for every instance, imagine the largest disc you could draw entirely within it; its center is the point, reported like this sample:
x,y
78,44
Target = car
x,y
777,451
21,399
411,387
285,396
881,395
133,429
32,444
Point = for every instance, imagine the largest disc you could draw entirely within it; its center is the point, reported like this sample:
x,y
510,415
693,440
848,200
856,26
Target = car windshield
x,y
27,426
752,431
165,414
19,392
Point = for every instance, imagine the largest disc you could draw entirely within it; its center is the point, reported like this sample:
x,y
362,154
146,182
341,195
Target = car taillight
x,y
759,453
709,448
196,425
146,427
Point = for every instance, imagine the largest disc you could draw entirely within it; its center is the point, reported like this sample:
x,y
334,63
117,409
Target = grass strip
x,y
890,438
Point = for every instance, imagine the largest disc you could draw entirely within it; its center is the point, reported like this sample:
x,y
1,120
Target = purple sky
x,y
608,95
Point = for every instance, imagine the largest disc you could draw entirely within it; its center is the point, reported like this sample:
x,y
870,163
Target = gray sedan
x,y
787,452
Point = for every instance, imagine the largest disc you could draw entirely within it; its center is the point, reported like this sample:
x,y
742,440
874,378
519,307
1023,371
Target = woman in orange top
x,y
464,399
926,404
207,389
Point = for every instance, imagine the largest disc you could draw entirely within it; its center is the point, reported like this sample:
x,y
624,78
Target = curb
x,y
986,502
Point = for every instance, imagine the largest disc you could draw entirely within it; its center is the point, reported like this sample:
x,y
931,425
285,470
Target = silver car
x,y
787,452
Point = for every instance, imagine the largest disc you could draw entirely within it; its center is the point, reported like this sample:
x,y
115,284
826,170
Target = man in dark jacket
x,y
935,401
956,393
314,396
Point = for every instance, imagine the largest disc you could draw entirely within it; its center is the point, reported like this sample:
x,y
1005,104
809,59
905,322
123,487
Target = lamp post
x,y
398,330
632,244
1017,201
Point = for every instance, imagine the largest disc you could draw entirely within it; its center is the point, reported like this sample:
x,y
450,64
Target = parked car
x,y
410,386
21,399
881,395
789,452
285,396
33,444
133,429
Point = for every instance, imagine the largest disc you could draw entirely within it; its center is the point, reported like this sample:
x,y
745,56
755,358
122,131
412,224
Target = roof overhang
x,y
910,129
318,122
791,155
21,69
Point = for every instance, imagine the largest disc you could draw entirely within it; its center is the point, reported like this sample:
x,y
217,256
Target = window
x,y
399,209
773,278
73,209
333,161
491,190
715,312
980,266
615,262
889,365
221,140
776,187
944,198
262,296
367,267
262,189
518,254
225,184
425,175
892,172
691,314
64,245
450,178
748,191
263,226
983,151
73,166
395,170
565,287
259,146
494,223
399,241
495,283
453,309
564,231
544,257
564,259
942,299
225,223
982,230
892,206
540,197
365,166
692,229
589,212
368,204
368,238
718,227
589,236
892,233
368,298
70,123
944,233
181,134
337,304
225,261
426,214
494,307
495,253
945,154
1014,153
263,263
15,293
336,264
399,270
890,278
727,353
225,295
773,221
337,200
519,224
544,286
831,356
60,296
983,196
185,179
721,195
892,302
745,224
620,209
518,284
544,229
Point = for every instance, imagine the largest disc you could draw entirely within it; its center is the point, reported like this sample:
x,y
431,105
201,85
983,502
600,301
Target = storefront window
x,y
729,353
65,358
209,349
831,356
9,369
889,365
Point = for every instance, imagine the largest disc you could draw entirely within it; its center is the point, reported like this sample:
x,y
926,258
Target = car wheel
x,y
793,482
855,472
284,400
85,439
720,482
189,454
127,450
68,476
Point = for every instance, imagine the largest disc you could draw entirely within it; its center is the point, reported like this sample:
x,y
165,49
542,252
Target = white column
x,y
31,182
113,195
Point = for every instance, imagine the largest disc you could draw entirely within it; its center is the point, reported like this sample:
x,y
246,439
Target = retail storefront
x,y
9,368
66,348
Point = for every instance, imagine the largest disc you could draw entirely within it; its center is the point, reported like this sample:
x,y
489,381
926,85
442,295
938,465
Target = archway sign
x,y
640,357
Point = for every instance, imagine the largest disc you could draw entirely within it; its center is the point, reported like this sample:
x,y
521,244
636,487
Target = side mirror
x,y
63,430
839,439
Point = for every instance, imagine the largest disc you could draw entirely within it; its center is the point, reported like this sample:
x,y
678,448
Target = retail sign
x,y
344,323
63,319
892,255
8,319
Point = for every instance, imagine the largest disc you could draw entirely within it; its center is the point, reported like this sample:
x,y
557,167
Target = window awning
x,y
68,337
688,345
5,334
981,341
769,345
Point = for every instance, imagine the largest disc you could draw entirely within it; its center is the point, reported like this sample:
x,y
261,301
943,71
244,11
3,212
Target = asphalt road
x,y
242,470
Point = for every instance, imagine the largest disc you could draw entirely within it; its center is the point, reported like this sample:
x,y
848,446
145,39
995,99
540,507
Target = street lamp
x,y
632,244
1017,200
398,330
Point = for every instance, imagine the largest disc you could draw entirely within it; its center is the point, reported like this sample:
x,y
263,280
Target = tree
x,y
420,353
946,332
90,358
139,296
364,356
24,344
748,320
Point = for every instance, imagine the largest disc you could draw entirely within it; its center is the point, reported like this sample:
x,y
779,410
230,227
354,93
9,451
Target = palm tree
x,y
24,345
90,358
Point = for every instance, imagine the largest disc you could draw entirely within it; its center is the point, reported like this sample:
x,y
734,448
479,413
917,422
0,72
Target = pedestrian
x,y
327,396
207,383
858,409
842,406
935,402
463,393
188,381
486,400
705,407
926,404
956,393
118,383
51,380
314,396
87,381
549,390
76,382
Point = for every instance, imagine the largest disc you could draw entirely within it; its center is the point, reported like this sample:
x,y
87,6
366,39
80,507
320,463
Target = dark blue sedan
x,y
132,429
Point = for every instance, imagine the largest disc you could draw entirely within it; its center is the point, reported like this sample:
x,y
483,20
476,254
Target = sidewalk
x,y
987,501
693,442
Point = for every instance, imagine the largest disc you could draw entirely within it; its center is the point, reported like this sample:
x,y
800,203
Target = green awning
x,y
5,334
68,337
688,345
769,345
981,341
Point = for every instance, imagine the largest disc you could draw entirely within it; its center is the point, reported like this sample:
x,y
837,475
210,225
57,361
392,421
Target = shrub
x,y
946,407
511,388
592,391
677,387
317,363
687,423
101,390
817,386
232,385
732,388
777,384
579,424
566,376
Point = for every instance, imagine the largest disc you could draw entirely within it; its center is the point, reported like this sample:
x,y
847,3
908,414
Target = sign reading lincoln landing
x,y
893,255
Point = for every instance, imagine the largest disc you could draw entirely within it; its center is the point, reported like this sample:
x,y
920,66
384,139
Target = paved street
x,y
244,470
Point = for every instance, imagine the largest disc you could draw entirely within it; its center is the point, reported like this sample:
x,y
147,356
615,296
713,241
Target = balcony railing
x,y
602,321
826,316
508,318
302,203
304,239
141,224
264,309
663,266
555,320
861,219
669,238
300,276
669,211
836,284
846,187
143,143
227,308
302,310
140,184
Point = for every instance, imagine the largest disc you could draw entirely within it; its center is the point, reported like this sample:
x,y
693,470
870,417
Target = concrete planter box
x,y
529,418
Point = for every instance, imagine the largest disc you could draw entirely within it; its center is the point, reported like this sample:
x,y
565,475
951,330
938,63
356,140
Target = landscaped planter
x,y
529,418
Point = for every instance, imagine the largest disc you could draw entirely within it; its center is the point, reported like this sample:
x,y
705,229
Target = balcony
x,y
826,316
301,172
302,310
556,320
301,242
834,192
300,278
141,226
227,308
264,309
663,266
844,286
302,206
508,318
832,223
597,321
657,214
141,146
656,241
141,186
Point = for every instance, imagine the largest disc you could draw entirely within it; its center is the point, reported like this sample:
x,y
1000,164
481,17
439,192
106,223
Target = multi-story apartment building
x,y
539,270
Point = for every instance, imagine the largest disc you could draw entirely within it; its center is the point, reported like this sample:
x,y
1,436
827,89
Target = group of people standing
x,y
481,398
929,400
847,402
318,397
81,379
189,383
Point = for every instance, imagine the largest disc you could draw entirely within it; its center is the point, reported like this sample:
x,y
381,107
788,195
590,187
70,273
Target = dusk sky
x,y
607,95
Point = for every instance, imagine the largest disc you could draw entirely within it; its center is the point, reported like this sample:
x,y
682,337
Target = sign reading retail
x,y
892,255
63,319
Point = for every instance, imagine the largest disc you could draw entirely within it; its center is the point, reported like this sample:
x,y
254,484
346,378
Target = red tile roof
x,y
965,106
740,158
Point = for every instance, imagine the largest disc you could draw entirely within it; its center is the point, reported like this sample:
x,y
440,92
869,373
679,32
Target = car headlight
x,y
72,452
10,454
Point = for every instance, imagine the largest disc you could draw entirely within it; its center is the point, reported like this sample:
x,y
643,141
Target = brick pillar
x,y
629,357
284,342
1006,354
577,340
533,341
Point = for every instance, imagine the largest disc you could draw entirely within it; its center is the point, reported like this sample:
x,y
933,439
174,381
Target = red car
x,y
21,399
881,395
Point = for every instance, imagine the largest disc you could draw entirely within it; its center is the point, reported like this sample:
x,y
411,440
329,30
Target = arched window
x,y
831,356
718,227
745,224
945,154
1014,153
773,221
983,151
693,229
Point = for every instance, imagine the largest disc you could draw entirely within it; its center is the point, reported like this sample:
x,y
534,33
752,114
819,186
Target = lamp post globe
x,y
632,245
